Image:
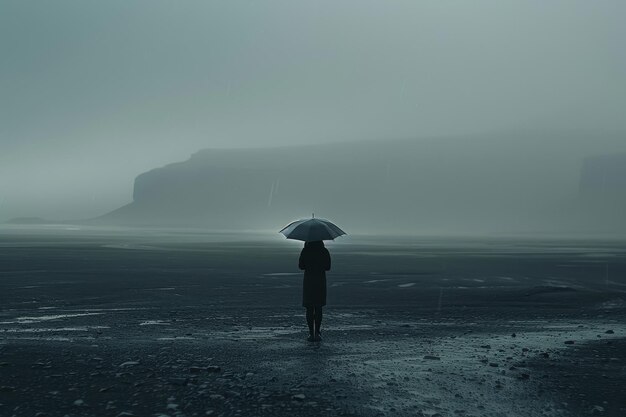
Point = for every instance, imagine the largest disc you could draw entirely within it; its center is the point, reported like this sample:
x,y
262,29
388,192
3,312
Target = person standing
x,y
315,261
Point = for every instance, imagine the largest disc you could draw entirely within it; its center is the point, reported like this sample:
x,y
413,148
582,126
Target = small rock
x,y
569,342
609,332
513,335
213,368
486,346
432,357
597,410
493,365
79,403
179,381
299,397
195,369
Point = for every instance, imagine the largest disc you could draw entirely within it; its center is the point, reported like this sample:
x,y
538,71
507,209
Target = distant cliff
x,y
449,185
604,177
602,196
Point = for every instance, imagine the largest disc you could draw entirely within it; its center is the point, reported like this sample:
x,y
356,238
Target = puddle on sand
x,y
120,309
39,319
155,323
54,329
256,333
174,339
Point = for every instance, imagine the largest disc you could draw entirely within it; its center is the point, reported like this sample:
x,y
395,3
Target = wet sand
x,y
120,323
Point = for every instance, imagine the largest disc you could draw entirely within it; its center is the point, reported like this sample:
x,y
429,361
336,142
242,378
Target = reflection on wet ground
x,y
447,328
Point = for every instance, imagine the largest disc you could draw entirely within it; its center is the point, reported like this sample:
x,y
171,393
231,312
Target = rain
x,y
279,208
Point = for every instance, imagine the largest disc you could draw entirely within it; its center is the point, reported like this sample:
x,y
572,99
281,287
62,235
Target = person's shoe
x,y
310,338
318,337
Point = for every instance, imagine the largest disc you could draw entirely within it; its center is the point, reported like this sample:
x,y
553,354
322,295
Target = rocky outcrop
x,y
602,192
397,186
604,177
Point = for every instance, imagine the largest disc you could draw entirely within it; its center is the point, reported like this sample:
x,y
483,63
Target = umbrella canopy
x,y
313,229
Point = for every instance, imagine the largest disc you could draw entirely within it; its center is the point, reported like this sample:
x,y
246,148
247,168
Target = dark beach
x,y
98,322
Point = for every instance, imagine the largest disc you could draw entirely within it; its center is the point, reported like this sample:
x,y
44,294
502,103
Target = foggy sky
x,y
92,93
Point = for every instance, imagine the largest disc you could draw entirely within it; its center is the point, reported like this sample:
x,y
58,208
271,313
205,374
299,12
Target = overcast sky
x,y
93,93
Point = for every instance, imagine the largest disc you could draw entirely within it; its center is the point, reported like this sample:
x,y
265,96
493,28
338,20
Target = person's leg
x,y
318,320
310,317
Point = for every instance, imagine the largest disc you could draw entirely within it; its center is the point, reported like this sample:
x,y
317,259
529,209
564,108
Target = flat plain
x,y
122,322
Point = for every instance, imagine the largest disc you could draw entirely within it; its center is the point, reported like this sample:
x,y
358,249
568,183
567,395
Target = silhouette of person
x,y
315,261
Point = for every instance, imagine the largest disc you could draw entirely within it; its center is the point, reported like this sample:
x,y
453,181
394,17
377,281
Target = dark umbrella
x,y
312,229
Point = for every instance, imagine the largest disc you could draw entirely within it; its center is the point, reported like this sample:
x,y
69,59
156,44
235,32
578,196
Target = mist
x,y
96,93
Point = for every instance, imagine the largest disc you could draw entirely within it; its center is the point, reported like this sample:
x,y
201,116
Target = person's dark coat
x,y
315,261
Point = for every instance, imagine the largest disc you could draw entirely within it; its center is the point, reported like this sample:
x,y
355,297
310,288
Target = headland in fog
x,y
526,182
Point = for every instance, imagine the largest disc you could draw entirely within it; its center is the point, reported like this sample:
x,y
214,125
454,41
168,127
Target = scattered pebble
x,y
179,381
597,410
